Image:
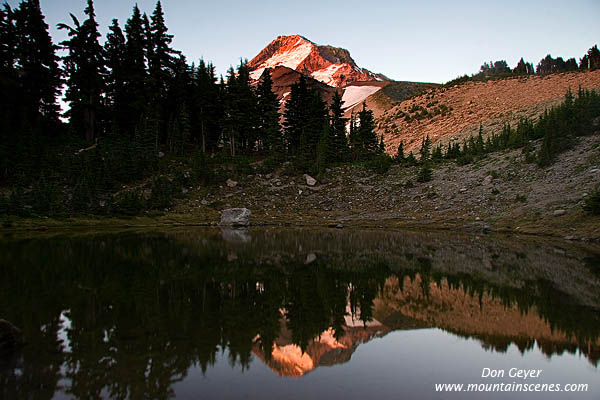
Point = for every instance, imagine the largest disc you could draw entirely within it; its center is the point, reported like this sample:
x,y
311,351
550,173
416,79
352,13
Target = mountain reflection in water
x,y
129,315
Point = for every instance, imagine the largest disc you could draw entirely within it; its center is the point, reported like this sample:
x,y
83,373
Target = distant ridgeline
x,y
547,65
143,123
177,300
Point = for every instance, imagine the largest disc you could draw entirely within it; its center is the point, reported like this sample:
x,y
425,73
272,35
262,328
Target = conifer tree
x,y
247,107
37,62
381,148
115,52
425,172
366,131
353,138
85,69
240,106
411,159
296,114
232,117
268,115
135,73
339,146
206,105
317,118
30,71
425,150
591,60
400,152
161,63
8,71
479,144
161,56
437,154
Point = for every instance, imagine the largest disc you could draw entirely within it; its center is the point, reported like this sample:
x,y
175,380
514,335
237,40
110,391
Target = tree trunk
x,y
88,122
203,138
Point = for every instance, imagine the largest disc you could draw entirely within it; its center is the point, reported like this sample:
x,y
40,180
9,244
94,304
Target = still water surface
x,y
296,314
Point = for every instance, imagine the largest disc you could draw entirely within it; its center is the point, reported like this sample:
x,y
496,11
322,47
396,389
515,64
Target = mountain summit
x,y
327,64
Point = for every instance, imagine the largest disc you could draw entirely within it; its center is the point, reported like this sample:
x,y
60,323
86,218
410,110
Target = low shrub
x,y
591,203
380,164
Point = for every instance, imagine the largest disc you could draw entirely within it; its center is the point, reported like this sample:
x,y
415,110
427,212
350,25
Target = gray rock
x,y
558,213
310,181
10,337
487,180
231,183
161,154
235,217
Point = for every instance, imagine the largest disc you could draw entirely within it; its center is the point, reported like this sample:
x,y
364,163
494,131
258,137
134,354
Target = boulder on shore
x,y
235,217
310,181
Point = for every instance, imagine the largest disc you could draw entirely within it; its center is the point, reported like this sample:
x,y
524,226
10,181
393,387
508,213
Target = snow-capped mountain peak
x,y
330,65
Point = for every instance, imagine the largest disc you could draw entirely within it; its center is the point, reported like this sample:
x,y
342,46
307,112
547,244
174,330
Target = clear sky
x,y
427,41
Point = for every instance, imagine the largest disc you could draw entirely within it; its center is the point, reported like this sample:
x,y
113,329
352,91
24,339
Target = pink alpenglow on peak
x,y
330,65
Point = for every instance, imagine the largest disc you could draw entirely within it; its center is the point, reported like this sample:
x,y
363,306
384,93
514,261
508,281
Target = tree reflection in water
x,y
139,310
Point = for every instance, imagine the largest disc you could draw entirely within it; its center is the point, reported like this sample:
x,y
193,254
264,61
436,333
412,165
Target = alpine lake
x,y
205,313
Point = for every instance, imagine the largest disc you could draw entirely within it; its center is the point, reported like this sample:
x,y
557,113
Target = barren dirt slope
x,y
455,113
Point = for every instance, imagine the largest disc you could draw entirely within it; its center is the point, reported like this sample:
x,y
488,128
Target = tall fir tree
x,y
268,114
37,63
9,87
135,72
246,103
381,147
161,63
591,60
84,67
296,115
161,57
232,116
366,132
425,150
317,119
115,51
353,138
207,110
339,145
399,157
